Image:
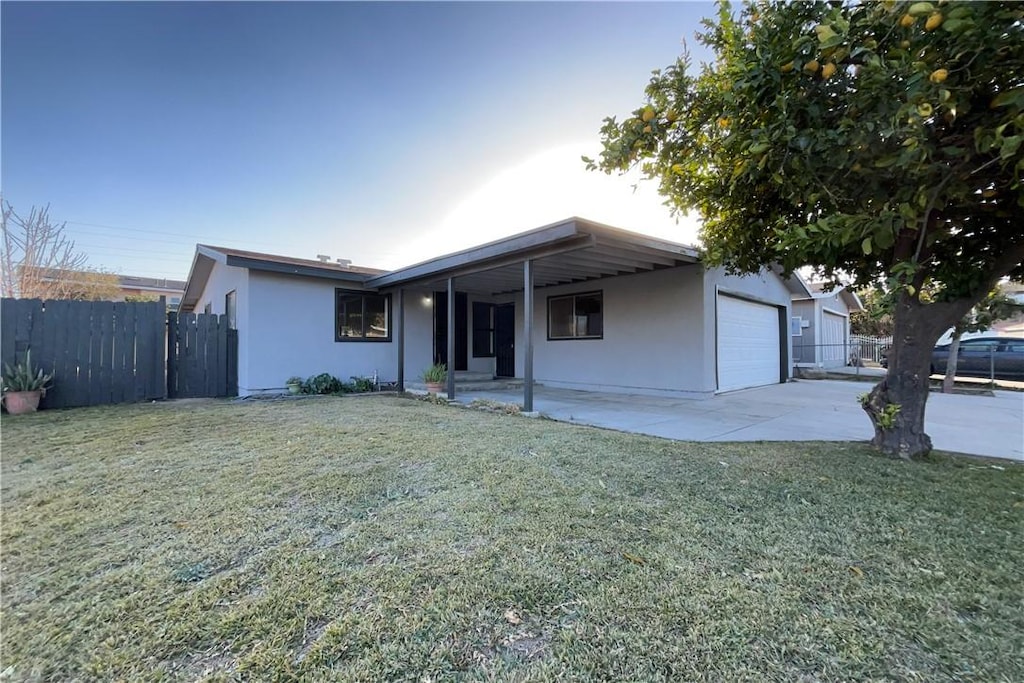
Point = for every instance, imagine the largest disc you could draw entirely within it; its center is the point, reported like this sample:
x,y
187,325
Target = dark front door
x,y
461,329
505,340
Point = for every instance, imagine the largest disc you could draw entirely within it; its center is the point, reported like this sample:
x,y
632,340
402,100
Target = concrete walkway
x,y
804,410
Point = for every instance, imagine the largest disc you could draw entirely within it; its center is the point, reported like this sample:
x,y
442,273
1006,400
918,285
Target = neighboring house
x,y
609,310
151,287
820,326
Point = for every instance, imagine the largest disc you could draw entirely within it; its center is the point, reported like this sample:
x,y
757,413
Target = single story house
x,y
820,326
574,304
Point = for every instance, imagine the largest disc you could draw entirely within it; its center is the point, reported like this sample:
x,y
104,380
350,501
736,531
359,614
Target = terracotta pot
x,y
21,402
435,387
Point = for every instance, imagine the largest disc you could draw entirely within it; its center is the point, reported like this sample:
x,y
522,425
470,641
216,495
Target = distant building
x,y
133,286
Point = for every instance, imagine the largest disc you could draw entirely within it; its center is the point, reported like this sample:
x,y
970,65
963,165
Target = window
x,y
578,316
229,310
796,326
483,330
361,317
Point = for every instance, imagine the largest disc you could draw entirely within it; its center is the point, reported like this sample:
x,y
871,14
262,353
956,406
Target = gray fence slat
x,y
223,389
143,354
172,354
99,357
232,358
212,378
83,316
8,310
122,370
48,348
58,318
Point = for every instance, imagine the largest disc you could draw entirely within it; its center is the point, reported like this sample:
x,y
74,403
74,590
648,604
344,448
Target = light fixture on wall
x,y
426,300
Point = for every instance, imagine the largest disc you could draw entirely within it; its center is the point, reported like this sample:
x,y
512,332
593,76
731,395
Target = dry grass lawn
x,y
385,538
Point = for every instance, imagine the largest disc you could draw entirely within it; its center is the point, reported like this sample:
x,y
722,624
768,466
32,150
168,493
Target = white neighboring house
x,y
820,326
610,310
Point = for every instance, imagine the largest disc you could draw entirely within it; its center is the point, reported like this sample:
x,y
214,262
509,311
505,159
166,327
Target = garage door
x,y
833,340
748,344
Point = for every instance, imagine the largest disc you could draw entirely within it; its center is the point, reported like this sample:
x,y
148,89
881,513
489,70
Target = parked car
x,y
1000,357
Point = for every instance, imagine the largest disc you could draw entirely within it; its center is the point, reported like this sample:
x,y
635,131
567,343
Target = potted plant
x,y
435,376
23,386
294,385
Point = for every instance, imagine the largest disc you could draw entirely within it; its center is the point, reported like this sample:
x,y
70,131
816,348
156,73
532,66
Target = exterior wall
x,y
834,356
653,337
290,331
222,280
765,287
419,333
808,350
803,346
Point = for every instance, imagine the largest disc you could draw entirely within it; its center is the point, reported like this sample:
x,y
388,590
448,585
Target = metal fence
x,y
859,351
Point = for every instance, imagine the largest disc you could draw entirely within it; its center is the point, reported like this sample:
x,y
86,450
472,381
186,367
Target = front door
x,y
505,340
461,329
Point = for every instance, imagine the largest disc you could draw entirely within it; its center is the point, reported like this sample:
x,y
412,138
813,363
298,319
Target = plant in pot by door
x,y
23,386
294,385
435,376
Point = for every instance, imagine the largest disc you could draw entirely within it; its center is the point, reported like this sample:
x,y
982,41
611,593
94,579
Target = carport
x,y
571,251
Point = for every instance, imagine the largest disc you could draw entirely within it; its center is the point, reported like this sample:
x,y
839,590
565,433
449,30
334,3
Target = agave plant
x,y
23,378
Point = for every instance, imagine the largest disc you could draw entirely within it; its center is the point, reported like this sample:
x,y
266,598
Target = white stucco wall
x,y
222,280
419,333
653,337
765,287
291,331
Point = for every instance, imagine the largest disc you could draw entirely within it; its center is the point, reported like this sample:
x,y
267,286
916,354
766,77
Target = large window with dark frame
x,y
483,330
361,317
576,316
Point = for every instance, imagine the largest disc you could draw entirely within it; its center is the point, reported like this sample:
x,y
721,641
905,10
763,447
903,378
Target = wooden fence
x,y
99,352
202,356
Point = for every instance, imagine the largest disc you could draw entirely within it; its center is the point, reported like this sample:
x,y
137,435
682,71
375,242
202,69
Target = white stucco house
x,y
574,304
820,326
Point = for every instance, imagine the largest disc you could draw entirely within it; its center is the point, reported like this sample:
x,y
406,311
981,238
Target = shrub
x,y
324,383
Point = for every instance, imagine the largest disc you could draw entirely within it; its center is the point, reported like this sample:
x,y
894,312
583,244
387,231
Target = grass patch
x,y
389,539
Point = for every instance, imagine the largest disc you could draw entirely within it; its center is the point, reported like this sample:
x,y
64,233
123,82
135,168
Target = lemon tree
x,y
880,141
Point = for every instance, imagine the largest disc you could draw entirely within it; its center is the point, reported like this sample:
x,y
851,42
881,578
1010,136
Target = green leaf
x,y
1010,146
866,246
1014,97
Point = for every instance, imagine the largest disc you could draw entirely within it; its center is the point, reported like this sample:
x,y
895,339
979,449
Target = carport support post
x,y
528,336
451,338
400,380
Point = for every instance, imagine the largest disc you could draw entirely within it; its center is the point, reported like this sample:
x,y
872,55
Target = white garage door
x,y
833,340
748,344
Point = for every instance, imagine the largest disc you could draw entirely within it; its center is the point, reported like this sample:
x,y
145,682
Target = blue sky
x,y
384,133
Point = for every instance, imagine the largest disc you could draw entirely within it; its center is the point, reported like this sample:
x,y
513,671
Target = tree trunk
x,y
896,404
951,363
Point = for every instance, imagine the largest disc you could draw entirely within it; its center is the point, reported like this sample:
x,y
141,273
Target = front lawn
x,y
383,538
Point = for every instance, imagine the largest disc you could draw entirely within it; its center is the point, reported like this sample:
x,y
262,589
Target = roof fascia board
x,y
292,269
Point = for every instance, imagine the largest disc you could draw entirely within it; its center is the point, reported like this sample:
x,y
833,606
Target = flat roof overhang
x,y
574,250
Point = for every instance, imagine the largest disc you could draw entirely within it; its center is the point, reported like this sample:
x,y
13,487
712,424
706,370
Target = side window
x,y
483,329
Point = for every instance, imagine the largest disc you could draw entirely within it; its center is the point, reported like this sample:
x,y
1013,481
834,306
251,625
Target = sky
x,y
384,133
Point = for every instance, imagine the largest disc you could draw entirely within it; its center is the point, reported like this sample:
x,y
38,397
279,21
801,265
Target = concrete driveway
x,y
804,410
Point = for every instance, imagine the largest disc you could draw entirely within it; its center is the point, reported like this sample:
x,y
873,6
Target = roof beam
x,y
467,265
